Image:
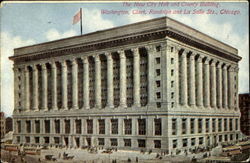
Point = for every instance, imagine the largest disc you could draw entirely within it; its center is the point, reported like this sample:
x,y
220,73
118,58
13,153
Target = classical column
x,y
74,84
44,88
150,53
199,82
225,88
237,87
27,89
64,85
192,80
213,84
15,89
123,79
230,88
219,85
136,77
54,86
35,87
85,82
97,82
110,88
177,95
184,91
206,83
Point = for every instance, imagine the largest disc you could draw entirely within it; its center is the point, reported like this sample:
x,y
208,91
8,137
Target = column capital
x,y
200,58
192,55
150,48
213,62
44,66
225,66
84,59
97,58
108,55
73,61
231,69
219,65
207,60
63,63
185,52
135,52
236,69
121,53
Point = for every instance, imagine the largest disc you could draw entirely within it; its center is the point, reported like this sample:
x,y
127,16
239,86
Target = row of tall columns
x,y
206,82
86,80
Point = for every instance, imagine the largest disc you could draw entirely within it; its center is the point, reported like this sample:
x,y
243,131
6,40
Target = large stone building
x,y
156,84
244,104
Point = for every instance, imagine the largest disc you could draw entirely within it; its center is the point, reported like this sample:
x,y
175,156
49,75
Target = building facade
x,y
2,124
154,85
8,124
244,104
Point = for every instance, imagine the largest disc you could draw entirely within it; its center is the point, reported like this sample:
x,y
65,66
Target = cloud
x,y
223,32
53,34
133,18
93,21
8,43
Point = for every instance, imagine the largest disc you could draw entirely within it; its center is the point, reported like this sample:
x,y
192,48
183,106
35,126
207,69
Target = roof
x,y
177,29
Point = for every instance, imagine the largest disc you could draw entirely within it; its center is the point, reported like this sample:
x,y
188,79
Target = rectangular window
x,y
226,138
27,139
184,142
113,142
172,84
158,72
47,126
193,142
158,95
114,126
127,142
172,72
174,143
192,121
158,60
220,125
207,125
172,95
28,126
142,126
67,126
46,140
37,126
128,126
18,139
56,140
199,125
37,140
214,125
141,143
172,60
200,140
225,124
231,125
220,138
78,124
90,126
101,141
157,143
231,136
57,126
158,83
236,124
174,124
184,126
101,126
157,126
19,126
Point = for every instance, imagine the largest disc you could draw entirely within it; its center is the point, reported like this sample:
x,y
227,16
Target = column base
x,y
55,108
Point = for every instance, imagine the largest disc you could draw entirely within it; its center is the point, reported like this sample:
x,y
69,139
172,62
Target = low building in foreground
x,y
154,85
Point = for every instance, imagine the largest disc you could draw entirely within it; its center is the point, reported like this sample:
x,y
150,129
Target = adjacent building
x,y
2,124
154,85
244,104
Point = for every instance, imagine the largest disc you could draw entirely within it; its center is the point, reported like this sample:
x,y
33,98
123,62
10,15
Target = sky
x,y
23,24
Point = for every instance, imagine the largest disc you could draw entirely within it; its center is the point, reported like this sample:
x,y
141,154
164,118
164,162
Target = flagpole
x,y
81,19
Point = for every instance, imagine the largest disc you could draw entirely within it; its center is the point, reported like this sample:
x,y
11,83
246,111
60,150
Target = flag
x,y
77,17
